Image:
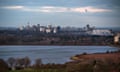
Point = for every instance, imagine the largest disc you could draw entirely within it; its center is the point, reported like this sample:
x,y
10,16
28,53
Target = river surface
x,y
50,54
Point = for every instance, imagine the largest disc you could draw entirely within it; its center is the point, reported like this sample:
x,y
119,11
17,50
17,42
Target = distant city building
x,y
88,26
21,28
48,30
87,30
117,38
49,26
28,27
55,30
42,29
101,32
38,27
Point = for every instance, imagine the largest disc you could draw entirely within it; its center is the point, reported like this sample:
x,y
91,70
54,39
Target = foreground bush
x,y
3,66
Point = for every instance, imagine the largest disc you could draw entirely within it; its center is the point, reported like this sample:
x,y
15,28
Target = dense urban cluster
x,y
43,29
72,30
51,35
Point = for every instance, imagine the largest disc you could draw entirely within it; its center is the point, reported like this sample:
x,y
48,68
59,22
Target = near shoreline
x,y
111,56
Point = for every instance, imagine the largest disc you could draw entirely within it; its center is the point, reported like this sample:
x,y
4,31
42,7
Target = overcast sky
x,y
77,13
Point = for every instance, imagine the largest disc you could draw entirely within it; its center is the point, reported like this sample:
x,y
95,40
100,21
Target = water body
x,y
50,54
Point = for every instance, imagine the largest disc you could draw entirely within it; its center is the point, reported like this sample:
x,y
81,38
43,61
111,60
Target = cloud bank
x,y
50,9
13,7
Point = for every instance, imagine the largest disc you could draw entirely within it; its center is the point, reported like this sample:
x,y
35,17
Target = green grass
x,y
40,70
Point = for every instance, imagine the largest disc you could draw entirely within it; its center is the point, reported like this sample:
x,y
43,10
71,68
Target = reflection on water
x,y
50,54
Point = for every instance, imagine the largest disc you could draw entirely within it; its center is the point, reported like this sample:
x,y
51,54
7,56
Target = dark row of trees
x,y
17,63
8,39
16,37
12,64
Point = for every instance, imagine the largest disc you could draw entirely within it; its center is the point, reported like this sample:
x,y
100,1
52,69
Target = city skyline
x,y
76,13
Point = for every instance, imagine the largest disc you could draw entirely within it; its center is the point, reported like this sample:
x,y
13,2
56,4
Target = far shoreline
x,y
117,46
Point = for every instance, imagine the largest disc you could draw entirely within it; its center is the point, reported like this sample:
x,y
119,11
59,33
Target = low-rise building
x,y
101,32
42,29
117,38
48,30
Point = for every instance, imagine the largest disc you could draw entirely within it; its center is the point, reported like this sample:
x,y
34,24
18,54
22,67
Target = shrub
x,y
3,66
84,53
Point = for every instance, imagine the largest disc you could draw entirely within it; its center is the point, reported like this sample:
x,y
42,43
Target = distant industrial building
x,y
101,32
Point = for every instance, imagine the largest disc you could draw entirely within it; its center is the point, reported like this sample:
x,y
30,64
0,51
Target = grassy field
x,y
40,70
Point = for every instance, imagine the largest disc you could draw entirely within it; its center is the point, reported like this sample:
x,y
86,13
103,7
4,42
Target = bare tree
x,y
23,62
20,62
38,63
11,61
27,61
